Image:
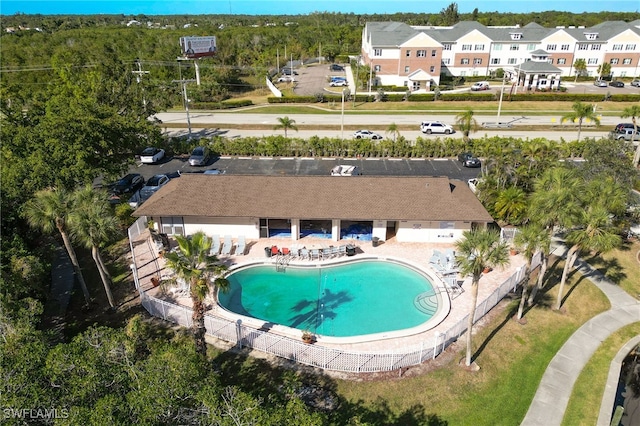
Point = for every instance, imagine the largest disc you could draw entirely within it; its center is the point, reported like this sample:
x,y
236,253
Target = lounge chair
x,y
275,251
304,253
228,245
314,254
242,245
215,245
342,250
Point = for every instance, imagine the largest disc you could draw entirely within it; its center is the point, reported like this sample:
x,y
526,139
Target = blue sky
x,y
286,7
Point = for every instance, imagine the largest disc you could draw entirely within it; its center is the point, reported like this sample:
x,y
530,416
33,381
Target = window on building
x,y
630,47
446,46
512,61
377,68
432,68
543,82
564,47
497,46
475,73
583,46
595,47
626,61
478,47
463,73
516,36
377,52
406,69
514,47
550,61
477,61
551,47
617,46
562,61
614,61
446,61
464,61
592,61
495,61
421,53
408,53
433,52
591,36
531,46
466,47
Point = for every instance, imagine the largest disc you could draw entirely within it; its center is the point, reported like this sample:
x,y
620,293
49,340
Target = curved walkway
x,y
551,399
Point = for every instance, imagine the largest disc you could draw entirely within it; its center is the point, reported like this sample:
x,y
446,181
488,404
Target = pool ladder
x,y
281,262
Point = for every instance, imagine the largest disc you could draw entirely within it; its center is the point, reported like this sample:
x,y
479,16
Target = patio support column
x,y
335,229
295,229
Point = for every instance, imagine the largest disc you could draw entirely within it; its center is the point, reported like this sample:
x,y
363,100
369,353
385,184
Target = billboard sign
x,y
198,47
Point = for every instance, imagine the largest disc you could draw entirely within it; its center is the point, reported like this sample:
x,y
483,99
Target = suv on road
x,y
429,127
336,67
480,85
625,134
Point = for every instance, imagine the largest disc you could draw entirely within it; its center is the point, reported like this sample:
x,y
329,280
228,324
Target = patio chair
x,y
314,254
334,252
215,245
275,251
453,288
228,245
304,253
242,245
342,250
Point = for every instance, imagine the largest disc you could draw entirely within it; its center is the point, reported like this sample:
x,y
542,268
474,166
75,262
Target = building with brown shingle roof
x,y
413,209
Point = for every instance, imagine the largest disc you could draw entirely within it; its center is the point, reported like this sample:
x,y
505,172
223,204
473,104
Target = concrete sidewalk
x,y
551,399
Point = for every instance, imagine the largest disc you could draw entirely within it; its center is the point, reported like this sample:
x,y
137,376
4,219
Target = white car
x,y
366,134
600,83
480,85
151,155
345,170
338,83
429,127
286,79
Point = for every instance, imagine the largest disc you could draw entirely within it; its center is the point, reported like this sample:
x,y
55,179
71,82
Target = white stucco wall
x,y
431,232
249,227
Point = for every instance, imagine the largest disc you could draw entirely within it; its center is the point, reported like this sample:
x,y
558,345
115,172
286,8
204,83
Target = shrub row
x,y
222,105
428,147
468,96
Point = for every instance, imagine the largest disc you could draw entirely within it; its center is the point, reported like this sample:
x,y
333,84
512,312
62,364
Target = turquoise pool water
x,y
348,299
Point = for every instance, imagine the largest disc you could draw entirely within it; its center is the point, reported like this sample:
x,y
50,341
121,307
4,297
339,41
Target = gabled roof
x,y
539,67
419,75
317,197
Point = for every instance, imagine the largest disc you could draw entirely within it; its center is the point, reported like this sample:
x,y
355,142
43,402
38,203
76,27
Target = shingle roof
x,y
317,197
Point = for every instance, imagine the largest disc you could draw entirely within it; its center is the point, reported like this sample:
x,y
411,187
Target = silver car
x,y
199,156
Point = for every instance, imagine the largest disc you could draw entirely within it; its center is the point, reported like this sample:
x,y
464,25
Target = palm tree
x,y
193,263
480,249
530,239
581,112
633,112
511,205
467,123
49,210
286,123
93,223
596,234
393,130
555,202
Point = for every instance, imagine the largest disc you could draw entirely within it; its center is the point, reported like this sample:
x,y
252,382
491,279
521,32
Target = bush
x,y
222,105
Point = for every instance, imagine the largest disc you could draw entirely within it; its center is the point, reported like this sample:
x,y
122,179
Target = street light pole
x,y
342,117
184,82
504,76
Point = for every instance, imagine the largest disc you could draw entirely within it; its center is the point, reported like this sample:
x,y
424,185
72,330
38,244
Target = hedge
x,y
222,105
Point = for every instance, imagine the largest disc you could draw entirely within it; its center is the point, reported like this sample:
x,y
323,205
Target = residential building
x,y
411,209
417,56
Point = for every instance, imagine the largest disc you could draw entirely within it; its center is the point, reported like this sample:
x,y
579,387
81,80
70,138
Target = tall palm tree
x,y
596,234
581,112
48,210
554,203
511,205
193,263
467,123
479,249
286,123
393,130
530,239
633,112
93,223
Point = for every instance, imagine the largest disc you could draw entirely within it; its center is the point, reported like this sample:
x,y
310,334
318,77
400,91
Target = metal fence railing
x,y
322,357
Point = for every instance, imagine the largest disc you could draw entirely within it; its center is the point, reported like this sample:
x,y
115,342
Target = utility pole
x,y
139,73
184,82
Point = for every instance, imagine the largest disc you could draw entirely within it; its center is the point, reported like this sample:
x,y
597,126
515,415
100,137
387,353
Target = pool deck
x,y
149,263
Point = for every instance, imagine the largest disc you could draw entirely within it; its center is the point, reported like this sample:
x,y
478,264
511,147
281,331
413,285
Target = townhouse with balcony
x,y
533,56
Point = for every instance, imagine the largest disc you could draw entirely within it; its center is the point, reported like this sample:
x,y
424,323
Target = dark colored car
x,y
199,156
616,83
469,160
336,67
129,183
621,127
289,71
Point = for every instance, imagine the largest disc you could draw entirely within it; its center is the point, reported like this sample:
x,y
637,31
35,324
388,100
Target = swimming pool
x,y
356,298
